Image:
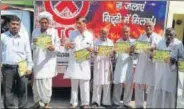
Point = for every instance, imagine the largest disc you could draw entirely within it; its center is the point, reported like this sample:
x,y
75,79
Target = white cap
x,y
45,15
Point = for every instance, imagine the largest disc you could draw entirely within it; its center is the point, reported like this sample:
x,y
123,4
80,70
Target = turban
x,y
45,15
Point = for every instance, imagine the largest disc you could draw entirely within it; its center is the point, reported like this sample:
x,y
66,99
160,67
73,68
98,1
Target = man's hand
x,y
90,49
34,41
96,52
113,54
51,48
69,45
130,50
28,72
167,60
152,53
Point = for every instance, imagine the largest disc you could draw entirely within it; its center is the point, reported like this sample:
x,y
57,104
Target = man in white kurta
x,y
79,72
166,72
44,59
144,73
124,71
102,72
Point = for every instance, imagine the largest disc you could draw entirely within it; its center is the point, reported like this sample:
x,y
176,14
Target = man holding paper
x,y
144,73
166,72
102,71
45,45
15,50
79,71
124,69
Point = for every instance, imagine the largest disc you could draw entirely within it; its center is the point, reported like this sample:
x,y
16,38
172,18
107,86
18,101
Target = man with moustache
x,y
45,60
166,72
102,72
144,74
124,71
79,72
15,48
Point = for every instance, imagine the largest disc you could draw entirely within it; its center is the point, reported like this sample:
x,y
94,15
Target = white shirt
x,y
165,74
45,61
15,49
75,69
124,66
144,73
102,65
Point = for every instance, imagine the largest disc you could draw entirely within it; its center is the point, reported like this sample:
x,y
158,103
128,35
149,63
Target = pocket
x,y
19,48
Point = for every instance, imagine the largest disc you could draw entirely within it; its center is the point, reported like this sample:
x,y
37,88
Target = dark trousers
x,y
10,79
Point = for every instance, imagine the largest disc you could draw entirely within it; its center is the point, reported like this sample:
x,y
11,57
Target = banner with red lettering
x,y
110,14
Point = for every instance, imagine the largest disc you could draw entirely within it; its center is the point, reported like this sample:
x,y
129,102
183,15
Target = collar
x,y
150,35
103,40
128,39
11,35
82,34
43,32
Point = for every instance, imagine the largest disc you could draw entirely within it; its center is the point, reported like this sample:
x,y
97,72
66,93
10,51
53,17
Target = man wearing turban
x,y
45,59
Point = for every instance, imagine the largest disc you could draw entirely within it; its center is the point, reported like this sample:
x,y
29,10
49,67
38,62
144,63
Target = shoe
x,y
85,107
94,105
37,106
127,106
106,106
114,106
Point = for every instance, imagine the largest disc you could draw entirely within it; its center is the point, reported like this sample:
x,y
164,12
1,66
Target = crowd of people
x,y
160,78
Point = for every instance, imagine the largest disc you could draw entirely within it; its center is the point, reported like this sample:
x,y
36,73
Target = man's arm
x,y
91,43
68,44
33,41
28,55
181,51
57,42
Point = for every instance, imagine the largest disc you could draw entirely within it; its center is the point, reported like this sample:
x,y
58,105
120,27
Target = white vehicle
x,y
26,21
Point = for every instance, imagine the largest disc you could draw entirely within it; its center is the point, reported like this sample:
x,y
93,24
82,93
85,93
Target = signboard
x,y
110,14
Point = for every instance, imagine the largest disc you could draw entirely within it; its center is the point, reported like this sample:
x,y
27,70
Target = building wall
x,y
176,12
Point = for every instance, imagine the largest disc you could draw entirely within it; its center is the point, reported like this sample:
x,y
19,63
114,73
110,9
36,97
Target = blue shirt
x,y
15,49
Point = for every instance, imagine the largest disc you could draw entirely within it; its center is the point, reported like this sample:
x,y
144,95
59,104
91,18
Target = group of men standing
x,y
159,78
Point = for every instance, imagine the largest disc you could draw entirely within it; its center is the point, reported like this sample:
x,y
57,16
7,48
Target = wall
x,y
179,28
176,11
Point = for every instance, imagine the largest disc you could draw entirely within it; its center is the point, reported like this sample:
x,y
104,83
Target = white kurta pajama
x,y
102,76
144,73
79,73
123,74
45,66
165,76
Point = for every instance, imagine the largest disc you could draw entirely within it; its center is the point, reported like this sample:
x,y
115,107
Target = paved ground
x,y
60,98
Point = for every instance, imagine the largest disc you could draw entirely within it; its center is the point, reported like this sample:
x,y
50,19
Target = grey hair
x,y
126,27
171,30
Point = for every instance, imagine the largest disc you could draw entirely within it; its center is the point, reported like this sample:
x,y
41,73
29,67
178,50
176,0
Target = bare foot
x,y
47,106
